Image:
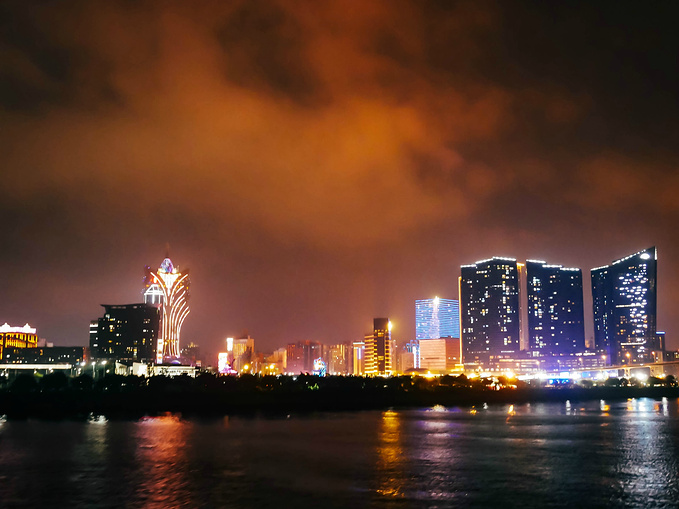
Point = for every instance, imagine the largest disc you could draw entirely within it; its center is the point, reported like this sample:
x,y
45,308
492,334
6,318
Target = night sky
x,y
318,164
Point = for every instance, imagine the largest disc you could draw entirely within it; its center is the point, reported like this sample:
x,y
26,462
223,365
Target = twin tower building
x,y
508,307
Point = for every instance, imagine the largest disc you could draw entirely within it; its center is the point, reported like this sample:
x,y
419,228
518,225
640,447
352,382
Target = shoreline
x,y
69,404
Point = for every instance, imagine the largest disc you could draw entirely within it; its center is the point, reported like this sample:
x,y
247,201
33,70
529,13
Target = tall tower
x,y
168,288
378,349
624,304
489,305
555,309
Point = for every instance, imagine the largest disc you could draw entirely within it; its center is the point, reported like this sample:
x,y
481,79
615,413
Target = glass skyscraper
x,y
555,309
624,305
437,318
489,305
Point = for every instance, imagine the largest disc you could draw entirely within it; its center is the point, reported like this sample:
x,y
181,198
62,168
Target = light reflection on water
x,y
390,456
594,454
161,461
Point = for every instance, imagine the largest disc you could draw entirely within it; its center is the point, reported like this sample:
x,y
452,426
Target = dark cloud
x,y
318,164
266,49
42,68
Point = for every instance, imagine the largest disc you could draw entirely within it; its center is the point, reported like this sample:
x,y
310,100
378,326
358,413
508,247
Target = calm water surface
x,y
542,455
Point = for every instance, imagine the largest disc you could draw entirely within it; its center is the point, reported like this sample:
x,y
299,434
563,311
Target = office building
x,y
241,352
437,318
624,305
378,349
125,333
168,289
17,337
358,358
555,309
339,359
489,310
301,355
437,328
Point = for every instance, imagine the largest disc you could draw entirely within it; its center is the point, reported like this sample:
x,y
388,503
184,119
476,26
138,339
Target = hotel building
x,y
168,289
127,332
624,305
555,309
489,310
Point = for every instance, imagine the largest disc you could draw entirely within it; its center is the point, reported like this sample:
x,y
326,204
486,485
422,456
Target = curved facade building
x,y
168,288
624,301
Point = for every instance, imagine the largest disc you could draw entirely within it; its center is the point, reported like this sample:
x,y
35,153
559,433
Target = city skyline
x,y
424,307
319,166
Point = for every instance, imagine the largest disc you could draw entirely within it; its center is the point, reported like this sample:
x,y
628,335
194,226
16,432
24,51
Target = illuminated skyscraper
x,y
437,327
437,318
378,349
168,288
624,305
489,303
555,309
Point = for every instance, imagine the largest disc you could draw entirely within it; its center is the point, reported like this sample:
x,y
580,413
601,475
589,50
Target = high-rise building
x,y
378,349
168,288
17,337
338,359
358,358
437,327
437,318
242,351
125,333
555,309
489,304
624,304
301,355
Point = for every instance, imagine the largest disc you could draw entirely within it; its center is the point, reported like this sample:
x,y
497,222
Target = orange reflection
x,y
390,456
161,454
